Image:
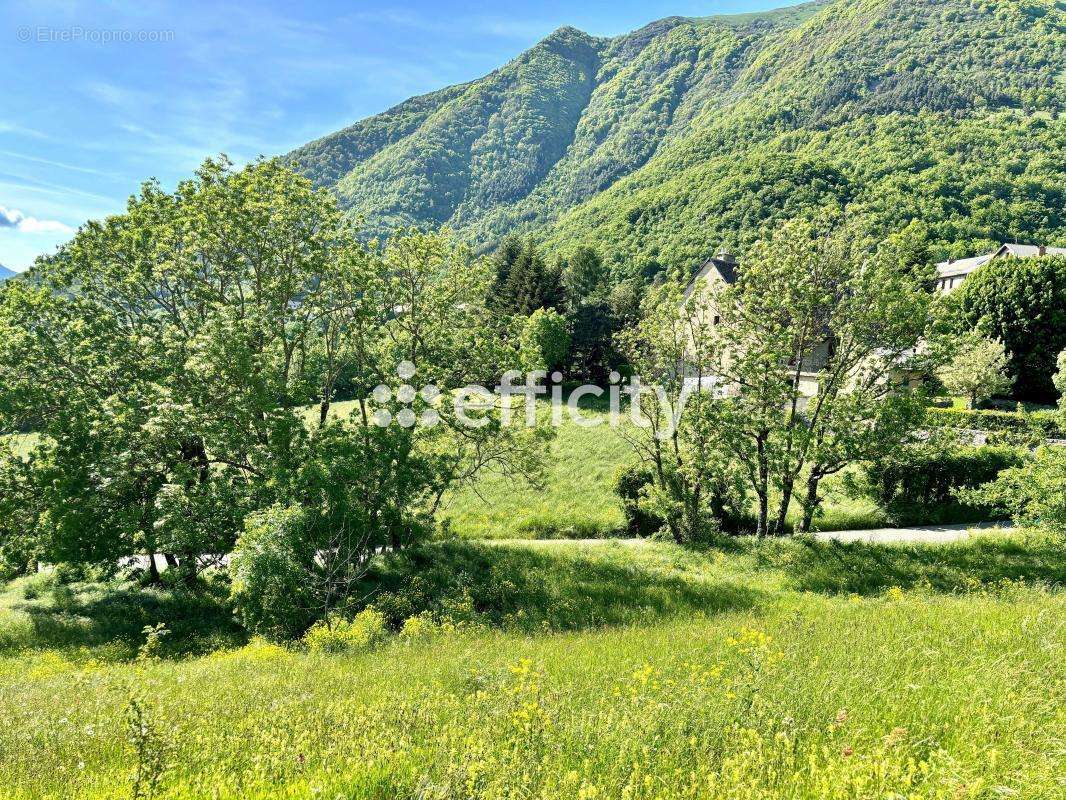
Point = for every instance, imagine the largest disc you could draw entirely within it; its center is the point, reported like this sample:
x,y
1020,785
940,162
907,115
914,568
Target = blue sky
x,y
83,120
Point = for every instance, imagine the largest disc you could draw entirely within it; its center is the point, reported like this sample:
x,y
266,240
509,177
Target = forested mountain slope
x,y
663,143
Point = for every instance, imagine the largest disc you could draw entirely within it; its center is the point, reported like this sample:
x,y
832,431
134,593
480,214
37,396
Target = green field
x,y
578,499
588,670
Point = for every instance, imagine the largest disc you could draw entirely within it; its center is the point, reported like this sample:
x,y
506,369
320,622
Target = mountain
x,y
6,273
661,144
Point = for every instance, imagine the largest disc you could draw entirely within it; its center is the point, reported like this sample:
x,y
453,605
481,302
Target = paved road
x,y
925,534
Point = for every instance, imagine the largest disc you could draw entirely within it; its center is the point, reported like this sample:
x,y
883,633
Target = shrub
x,y
725,504
628,483
1046,423
922,483
270,577
421,626
64,599
1033,493
338,635
36,586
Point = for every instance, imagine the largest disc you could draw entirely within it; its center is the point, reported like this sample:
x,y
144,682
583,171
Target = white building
x,y
951,274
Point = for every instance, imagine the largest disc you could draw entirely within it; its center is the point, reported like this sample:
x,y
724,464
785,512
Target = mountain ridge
x,y
621,141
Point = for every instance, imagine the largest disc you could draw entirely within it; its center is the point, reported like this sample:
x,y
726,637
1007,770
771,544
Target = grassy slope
x,y
751,673
578,499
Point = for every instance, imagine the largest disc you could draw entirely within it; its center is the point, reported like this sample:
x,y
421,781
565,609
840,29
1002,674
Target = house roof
x,y
964,266
722,263
726,267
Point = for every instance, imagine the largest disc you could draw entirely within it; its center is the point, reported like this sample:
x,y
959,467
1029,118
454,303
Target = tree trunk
x,y
763,489
675,530
764,515
782,509
189,568
810,505
153,570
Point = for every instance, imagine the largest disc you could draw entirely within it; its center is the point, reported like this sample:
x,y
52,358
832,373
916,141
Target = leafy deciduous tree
x,y
977,370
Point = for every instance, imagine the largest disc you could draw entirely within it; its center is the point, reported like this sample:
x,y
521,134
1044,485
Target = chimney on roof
x,y
723,254
1042,250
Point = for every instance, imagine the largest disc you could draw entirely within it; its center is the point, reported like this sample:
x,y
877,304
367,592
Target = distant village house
x,y
951,274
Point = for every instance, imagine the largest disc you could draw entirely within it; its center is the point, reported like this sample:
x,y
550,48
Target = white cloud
x,y
13,218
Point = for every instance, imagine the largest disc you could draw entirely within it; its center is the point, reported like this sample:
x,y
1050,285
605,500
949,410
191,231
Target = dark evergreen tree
x,y
504,259
592,353
530,284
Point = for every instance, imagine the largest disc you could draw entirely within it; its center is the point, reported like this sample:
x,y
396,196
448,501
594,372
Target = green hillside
x,y
662,143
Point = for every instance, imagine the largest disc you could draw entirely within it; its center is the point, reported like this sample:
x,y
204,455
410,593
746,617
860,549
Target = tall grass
x,y
764,671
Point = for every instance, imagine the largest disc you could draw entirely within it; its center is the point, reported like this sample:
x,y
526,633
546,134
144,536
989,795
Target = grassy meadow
x,y
580,670
578,501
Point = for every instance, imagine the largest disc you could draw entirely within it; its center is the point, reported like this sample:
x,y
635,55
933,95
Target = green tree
x,y
814,343
585,277
544,341
1022,303
694,485
168,359
530,284
977,370
171,348
503,260
1060,379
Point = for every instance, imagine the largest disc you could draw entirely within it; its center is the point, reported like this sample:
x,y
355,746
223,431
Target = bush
x,y
628,484
1046,423
36,586
337,635
421,626
270,577
1034,494
922,483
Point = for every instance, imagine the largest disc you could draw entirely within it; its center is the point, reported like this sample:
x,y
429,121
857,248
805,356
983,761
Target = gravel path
x,y
925,534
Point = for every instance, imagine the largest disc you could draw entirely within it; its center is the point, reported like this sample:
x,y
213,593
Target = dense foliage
x,y
923,481
1021,302
167,363
658,145
1044,424
1033,493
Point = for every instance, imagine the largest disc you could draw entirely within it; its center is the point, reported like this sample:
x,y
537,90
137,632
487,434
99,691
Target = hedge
x,y
1048,423
919,485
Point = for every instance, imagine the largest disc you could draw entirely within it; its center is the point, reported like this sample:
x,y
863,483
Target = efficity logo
x,y
516,399
405,396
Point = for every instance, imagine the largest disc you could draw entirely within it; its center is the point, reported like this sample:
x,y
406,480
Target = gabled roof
x,y
964,266
725,267
1029,251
